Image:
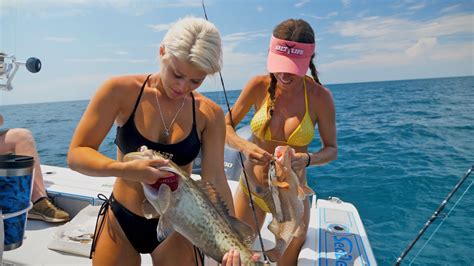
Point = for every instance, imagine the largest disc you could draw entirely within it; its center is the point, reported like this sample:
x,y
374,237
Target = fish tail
x,y
307,190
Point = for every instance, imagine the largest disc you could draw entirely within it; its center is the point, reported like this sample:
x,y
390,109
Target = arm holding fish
x,y
83,155
213,140
255,89
325,111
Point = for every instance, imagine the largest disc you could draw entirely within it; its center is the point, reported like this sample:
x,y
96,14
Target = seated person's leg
x,y
20,141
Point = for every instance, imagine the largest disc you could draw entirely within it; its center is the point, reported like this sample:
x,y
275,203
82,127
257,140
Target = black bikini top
x,y
129,139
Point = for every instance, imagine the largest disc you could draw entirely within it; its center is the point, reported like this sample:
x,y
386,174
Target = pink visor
x,y
289,57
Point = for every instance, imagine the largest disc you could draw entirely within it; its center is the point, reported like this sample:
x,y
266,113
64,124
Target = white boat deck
x,y
336,235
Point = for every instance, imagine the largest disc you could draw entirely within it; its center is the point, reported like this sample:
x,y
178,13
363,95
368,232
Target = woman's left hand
x,y
299,161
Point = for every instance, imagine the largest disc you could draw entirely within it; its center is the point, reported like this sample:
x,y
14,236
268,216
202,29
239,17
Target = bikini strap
x,y
194,113
305,94
102,212
139,96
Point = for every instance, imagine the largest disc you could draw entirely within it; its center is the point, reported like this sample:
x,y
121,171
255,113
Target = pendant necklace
x,y
168,128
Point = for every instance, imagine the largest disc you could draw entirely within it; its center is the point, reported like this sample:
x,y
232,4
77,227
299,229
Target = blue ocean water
x,y
402,147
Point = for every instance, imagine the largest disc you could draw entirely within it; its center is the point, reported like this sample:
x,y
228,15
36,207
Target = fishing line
x,y
201,256
441,223
240,155
434,215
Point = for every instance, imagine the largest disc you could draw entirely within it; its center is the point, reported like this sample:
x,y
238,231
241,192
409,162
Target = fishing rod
x,y
433,217
252,205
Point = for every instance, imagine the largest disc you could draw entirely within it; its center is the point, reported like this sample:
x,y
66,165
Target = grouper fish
x,y
288,195
195,210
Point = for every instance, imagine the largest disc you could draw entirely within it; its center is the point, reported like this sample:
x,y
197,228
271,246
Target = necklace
x,y
168,128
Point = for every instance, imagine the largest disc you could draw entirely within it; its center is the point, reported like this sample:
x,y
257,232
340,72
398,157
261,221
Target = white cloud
x,y
327,16
399,44
454,52
374,45
235,52
416,7
160,27
52,89
180,3
60,8
260,8
433,54
244,36
394,29
101,3
346,3
422,46
65,13
240,64
302,3
108,45
121,53
108,60
60,39
449,9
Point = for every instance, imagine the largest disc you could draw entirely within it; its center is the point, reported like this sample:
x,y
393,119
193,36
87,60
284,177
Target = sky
x,y
81,43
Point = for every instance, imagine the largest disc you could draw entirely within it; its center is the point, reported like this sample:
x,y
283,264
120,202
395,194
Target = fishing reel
x,y
9,66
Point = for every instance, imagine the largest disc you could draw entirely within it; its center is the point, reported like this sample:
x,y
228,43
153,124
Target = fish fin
x,y
151,194
273,254
301,195
275,208
299,231
163,199
280,184
148,210
308,191
276,252
164,229
214,197
274,228
245,231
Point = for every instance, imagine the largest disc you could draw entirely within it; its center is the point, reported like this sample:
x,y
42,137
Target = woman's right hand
x,y
255,154
232,258
146,171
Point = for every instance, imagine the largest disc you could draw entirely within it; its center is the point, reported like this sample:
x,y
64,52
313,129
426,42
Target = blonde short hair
x,y
197,41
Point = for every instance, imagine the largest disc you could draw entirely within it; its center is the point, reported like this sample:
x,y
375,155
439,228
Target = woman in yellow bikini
x,y
288,105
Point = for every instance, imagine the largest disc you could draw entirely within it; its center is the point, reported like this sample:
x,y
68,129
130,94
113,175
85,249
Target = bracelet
x,y
309,159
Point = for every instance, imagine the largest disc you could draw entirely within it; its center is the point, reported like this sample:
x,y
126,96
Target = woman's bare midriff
x,y
129,194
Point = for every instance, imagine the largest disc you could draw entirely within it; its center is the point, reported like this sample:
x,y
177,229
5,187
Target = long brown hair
x,y
296,30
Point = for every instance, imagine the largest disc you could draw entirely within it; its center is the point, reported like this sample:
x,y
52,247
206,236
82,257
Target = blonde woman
x,y
163,112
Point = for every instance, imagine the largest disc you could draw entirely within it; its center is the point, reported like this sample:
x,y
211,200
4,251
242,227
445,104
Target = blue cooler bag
x,y
15,198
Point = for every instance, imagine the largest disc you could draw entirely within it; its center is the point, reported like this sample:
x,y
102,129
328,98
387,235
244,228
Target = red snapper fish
x,y
288,196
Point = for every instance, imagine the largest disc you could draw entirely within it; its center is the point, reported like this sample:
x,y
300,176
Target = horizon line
x,y
220,90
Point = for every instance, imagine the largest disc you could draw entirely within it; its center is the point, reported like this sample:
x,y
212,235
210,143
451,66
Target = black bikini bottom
x,y
140,231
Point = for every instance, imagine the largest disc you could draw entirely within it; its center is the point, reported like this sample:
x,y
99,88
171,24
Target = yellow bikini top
x,y
301,136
